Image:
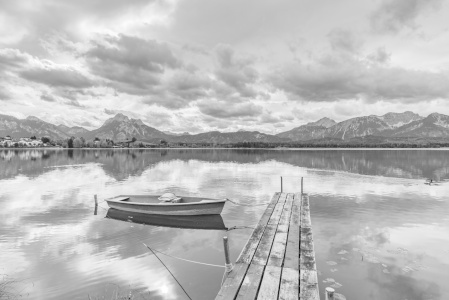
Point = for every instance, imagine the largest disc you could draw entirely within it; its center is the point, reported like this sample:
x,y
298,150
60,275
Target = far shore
x,y
224,148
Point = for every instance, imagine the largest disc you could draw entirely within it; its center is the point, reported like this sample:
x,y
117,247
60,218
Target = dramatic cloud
x,y
133,65
236,72
58,76
12,58
346,73
334,78
205,65
394,15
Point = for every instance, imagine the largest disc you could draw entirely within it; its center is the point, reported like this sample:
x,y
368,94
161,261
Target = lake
x,y
379,231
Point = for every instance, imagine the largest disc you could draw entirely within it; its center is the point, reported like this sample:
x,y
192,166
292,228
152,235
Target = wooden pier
x,y
278,261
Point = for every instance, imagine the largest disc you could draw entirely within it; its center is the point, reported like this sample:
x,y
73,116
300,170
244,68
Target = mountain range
x,y
390,126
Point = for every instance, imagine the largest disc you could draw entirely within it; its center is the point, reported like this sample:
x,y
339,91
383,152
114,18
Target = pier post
x,y
329,295
302,185
96,205
228,264
281,184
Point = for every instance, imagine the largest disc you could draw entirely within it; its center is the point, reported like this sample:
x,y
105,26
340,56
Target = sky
x,y
227,65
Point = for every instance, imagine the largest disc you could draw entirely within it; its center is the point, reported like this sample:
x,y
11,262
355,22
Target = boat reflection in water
x,y
208,222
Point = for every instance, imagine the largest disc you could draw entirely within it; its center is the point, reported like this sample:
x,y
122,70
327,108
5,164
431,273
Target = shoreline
x,y
239,148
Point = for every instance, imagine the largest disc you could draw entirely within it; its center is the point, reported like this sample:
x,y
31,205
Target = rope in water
x,y
169,271
188,260
236,203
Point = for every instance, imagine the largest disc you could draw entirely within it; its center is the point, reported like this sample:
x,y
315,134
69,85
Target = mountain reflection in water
x,y
379,231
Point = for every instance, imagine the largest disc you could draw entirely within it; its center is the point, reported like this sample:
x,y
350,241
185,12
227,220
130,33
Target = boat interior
x,y
155,199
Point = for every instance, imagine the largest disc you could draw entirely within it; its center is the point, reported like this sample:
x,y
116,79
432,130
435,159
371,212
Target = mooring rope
x,y
169,271
240,227
236,203
188,260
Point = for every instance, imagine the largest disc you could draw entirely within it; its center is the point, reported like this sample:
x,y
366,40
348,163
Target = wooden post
x,y
228,264
281,184
96,205
302,185
329,294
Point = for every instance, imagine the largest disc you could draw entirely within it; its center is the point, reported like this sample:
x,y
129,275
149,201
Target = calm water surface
x,y
380,232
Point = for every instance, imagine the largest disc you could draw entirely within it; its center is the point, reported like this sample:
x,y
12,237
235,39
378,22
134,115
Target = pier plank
x,y
286,212
269,287
289,289
248,251
263,250
278,261
231,285
277,252
251,283
308,285
276,215
293,239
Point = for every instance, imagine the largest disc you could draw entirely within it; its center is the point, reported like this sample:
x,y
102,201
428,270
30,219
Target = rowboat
x,y
210,222
182,206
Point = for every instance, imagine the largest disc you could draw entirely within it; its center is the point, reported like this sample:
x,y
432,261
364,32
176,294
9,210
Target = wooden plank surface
x,y
293,239
275,217
308,285
264,248
231,285
278,261
277,253
269,287
308,289
251,283
287,210
248,251
289,288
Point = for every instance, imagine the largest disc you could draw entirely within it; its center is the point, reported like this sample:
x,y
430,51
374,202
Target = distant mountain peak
x,y
435,114
138,121
325,122
117,118
395,120
33,118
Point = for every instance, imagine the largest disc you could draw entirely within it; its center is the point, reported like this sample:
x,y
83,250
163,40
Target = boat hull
x,y
205,207
205,222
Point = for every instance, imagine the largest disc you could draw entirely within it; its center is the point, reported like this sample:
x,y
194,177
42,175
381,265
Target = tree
x,y
133,139
96,139
44,139
33,137
104,144
78,143
70,143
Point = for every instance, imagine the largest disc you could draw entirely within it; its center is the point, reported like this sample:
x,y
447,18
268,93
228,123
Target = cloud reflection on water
x,y
48,232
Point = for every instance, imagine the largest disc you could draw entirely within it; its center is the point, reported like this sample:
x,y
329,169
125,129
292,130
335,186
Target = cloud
x,y
237,72
344,40
34,20
47,97
131,64
380,56
229,109
4,94
13,58
394,15
57,76
341,75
